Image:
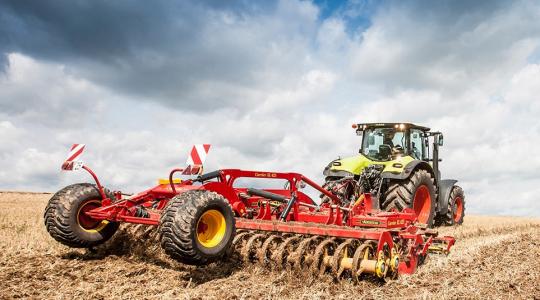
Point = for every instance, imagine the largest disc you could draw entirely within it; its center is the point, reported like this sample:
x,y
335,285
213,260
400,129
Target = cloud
x,y
45,93
271,86
54,108
191,54
445,45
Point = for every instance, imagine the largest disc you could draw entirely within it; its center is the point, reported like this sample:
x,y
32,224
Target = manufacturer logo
x,y
400,222
370,222
271,175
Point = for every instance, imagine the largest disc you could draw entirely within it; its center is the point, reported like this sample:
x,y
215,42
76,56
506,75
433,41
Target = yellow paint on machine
x,y
356,164
166,181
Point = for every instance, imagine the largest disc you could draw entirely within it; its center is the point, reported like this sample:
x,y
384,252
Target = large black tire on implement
x,y
197,227
66,221
417,192
456,208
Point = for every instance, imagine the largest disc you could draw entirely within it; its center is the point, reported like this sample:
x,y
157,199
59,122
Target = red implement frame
x,y
359,221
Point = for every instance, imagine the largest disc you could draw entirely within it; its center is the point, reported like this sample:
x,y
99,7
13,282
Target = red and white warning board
x,y
72,163
196,159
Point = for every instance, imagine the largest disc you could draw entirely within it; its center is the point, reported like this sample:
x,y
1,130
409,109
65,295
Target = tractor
x,y
399,168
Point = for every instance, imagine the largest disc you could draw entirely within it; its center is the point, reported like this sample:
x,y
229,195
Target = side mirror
x,y
371,140
359,132
441,140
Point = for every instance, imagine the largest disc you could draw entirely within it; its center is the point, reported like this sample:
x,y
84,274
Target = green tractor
x,y
399,168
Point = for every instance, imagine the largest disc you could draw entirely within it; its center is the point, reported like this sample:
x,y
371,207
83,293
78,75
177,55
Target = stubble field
x,y
494,257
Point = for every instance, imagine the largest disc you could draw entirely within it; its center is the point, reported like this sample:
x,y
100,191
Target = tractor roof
x,y
375,125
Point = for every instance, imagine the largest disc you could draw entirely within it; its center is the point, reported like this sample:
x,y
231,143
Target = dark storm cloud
x,y
104,30
160,49
4,63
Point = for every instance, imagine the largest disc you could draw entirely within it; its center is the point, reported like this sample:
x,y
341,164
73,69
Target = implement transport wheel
x,y
66,219
417,192
456,207
197,227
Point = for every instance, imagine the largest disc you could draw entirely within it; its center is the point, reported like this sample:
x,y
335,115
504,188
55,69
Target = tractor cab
x,y
388,141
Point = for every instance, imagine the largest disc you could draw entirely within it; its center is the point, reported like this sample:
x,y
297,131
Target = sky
x,y
272,85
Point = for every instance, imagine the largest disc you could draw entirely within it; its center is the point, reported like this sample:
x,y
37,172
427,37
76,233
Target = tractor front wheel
x,y
417,192
66,219
197,227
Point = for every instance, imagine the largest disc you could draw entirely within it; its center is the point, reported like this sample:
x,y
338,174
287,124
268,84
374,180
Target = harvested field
x,y
494,257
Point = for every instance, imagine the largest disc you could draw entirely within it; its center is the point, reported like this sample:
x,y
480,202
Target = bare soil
x,y
494,257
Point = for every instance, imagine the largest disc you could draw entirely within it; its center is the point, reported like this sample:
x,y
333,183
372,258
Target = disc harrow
x,y
341,258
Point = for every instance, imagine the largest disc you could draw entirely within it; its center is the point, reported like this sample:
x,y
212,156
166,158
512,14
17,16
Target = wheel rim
x,y
422,204
86,222
211,228
458,211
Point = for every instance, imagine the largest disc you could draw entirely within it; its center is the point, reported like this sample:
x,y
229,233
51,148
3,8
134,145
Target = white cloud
x,y
426,48
312,86
44,92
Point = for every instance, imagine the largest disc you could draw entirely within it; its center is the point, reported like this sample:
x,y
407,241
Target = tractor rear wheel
x,y
456,207
197,227
66,221
417,192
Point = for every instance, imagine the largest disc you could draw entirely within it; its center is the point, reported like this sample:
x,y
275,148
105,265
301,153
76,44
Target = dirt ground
x,y
494,257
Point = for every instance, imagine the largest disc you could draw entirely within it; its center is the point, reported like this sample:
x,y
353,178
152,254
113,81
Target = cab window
x,y
417,145
382,144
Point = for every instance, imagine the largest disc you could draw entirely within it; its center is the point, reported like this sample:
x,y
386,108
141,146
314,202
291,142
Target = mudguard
x,y
407,171
336,173
445,188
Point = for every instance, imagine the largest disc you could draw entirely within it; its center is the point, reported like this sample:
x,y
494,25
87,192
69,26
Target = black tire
x,y
454,207
62,216
178,229
400,193
343,187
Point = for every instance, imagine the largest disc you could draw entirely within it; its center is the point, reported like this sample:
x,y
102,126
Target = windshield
x,y
383,143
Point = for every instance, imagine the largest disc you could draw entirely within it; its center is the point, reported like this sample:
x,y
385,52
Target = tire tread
x,y
59,208
178,221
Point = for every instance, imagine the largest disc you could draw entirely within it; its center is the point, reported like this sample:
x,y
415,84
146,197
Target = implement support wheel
x,y
197,227
66,219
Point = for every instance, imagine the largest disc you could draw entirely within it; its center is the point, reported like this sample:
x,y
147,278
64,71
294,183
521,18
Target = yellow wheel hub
x,y
211,228
382,265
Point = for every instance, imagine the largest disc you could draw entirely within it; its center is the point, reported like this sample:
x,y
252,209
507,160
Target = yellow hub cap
x,y
211,228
